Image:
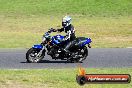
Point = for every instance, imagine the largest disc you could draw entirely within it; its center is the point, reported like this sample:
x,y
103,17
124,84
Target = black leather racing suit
x,y
70,35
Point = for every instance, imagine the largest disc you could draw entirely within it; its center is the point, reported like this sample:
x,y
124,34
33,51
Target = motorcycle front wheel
x,y
32,57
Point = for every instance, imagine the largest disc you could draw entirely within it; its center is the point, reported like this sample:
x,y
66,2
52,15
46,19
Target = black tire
x,y
81,80
32,50
85,54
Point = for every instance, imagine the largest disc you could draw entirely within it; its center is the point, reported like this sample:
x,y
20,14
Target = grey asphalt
x,y
98,58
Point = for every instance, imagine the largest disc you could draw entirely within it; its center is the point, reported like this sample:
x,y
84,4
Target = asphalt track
x,y
98,58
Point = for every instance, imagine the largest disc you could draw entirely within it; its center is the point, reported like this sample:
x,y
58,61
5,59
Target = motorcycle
x,y
54,47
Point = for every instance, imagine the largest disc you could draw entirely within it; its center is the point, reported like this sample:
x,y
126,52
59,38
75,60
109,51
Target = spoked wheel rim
x,y
32,56
84,53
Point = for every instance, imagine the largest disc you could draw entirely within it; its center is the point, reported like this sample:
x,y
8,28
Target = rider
x,y
68,28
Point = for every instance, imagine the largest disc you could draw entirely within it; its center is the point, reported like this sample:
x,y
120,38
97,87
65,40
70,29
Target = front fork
x,y
89,45
41,52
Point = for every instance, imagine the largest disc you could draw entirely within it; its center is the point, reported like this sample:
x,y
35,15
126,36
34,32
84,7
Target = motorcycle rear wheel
x,y
84,56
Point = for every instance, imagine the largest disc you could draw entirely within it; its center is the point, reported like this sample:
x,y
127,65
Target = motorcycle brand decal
x,y
83,78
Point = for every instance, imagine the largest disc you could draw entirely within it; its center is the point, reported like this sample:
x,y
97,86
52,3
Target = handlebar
x,y
51,30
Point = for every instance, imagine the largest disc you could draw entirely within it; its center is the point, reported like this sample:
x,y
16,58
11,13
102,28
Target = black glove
x,y
51,30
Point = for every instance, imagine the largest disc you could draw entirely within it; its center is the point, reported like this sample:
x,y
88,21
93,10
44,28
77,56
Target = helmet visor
x,y
64,24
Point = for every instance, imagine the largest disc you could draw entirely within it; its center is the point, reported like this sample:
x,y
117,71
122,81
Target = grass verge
x,y
23,32
107,22
105,8
56,78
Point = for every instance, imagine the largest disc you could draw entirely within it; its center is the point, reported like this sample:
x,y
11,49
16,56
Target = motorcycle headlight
x,y
43,39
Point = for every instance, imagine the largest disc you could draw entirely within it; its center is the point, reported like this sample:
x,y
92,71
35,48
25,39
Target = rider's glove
x,y
52,30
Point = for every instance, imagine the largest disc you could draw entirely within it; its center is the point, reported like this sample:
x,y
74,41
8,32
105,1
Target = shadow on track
x,y
48,61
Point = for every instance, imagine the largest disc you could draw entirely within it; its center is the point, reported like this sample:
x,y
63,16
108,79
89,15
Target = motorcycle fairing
x,y
82,41
87,41
38,46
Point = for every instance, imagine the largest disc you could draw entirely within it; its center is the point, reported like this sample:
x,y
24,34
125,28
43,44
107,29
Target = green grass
x,y
105,32
55,7
107,22
54,78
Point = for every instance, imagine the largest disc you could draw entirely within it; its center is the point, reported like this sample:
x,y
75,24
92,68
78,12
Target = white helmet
x,y
66,21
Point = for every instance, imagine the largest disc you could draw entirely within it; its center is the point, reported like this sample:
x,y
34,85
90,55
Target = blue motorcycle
x,y
54,47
